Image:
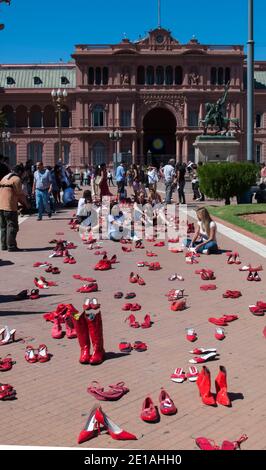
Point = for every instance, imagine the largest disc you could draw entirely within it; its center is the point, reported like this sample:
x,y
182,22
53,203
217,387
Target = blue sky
x,y
46,31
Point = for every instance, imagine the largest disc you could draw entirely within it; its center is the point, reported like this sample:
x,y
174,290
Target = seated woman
x,y
83,210
204,240
69,196
118,225
154,198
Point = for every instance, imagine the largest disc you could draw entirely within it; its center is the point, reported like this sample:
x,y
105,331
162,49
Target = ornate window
x,y
150,75
98,76
125,118
105,76
169,76
49,116
141,75
21,116
213,76
91,76
35,116
98,153
98,116
159,75
35,151
65,117
178,75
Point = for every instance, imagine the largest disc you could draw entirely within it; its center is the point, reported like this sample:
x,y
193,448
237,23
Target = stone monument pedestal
x,y
216,148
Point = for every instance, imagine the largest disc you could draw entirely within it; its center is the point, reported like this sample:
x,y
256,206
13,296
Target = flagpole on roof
x,y
159,14
250,83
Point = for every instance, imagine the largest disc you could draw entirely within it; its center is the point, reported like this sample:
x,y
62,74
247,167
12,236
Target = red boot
x,y
81,328
204,385
221,388
95,328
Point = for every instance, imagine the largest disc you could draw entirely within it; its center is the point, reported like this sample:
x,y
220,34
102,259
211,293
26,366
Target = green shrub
x,y
225,180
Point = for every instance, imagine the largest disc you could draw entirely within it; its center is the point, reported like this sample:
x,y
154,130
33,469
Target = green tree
x,y
226,180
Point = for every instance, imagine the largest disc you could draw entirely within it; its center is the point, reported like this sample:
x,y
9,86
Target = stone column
x,y
178,149
186,113
117,116
201,111
133,111
28,118
133,149
185,149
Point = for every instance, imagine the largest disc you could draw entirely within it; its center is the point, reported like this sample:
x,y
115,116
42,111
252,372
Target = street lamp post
x,y
5,137
59,99
250,80
115,136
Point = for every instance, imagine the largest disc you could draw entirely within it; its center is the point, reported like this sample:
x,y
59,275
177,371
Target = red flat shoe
x,y
118,295
229,318
133,278
178,376
191,335
261,304
6,364
43,355
34,294
130,295
132,321
232,294
159,244
206,444
30,355
178,306
135,307
49,269
207,287
154,267
150,254
66,260
72,260
55,270
139,346
141,281
113,429
256,310
114,393
76,276
125,347
127,307
167,406
193,374
88,288
218,321
219,334
149,412
103,265
147,321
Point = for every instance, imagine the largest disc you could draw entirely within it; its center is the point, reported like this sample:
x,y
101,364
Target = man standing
x,y
10,194
181,172
120,177
42,187
169,176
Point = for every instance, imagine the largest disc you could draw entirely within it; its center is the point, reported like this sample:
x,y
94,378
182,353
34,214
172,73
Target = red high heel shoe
x,y
43,355
132,321
8,336
91,429
113,429
147,322
234,445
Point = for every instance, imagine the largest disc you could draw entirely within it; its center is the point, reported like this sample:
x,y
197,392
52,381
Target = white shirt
x,y
169,173
203,232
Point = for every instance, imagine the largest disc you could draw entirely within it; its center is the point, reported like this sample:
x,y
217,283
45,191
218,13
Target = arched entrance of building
x,y
159,126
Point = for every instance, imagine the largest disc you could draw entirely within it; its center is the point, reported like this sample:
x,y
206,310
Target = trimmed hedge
x,y
226,180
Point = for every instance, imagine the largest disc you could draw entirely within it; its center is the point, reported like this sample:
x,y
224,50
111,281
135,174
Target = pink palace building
x,y
153,91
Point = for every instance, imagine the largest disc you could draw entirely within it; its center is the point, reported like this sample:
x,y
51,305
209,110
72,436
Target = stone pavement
x,y
52,402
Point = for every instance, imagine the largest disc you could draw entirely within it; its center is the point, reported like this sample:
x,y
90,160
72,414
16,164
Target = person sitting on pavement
x,y
204,240
11,193
69,196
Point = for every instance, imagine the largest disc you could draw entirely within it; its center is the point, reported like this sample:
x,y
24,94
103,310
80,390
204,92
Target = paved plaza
x,y
52,400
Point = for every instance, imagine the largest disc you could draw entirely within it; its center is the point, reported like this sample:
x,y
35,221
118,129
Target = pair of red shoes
x,y
224,320
179,305
150,413
232,294
6,364
154,266
206,274
37,355
114,393
259,309
253,276
103,265
24,294
208,444
233,258
179,376
138,346
204,386
69,260
91,304
42,283
7,392
135,324
87,288
133,307
98,418
136,279
53,270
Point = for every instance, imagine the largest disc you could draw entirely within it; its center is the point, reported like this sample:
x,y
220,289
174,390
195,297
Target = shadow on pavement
x,y
6,263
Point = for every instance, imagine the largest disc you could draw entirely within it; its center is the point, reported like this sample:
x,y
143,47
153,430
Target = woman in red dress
x,y
103,185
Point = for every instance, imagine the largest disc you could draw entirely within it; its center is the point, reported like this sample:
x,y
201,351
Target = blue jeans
x,y
42,202
211,246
